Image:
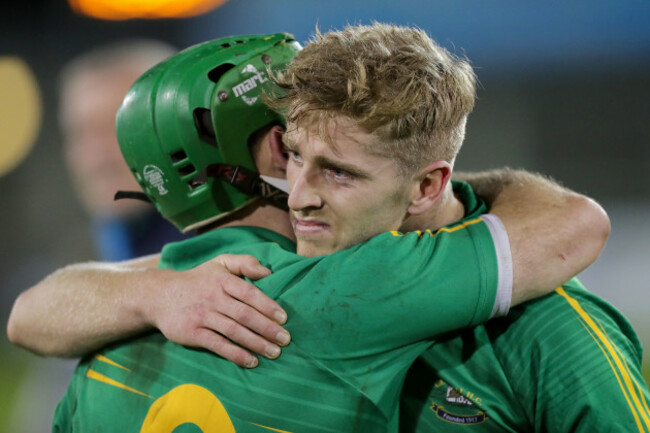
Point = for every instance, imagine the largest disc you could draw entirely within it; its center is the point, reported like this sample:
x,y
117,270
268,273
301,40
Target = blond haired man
x,y
361,94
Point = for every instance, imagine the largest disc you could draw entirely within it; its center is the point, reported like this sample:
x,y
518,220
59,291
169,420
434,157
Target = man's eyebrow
x,y
355,171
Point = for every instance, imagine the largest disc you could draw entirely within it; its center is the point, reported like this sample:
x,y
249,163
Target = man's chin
x,y
310,249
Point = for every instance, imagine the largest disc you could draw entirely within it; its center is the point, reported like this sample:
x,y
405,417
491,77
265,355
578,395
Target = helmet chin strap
x,y
273,189
137,195
279,183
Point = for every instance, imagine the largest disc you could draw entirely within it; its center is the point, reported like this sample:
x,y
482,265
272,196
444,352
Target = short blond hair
x,y
394,82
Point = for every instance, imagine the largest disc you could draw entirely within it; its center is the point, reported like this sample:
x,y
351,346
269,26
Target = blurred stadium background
x,y
565,90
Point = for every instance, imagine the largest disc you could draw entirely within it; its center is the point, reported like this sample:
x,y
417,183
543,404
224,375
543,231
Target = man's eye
x,y
339,175
295,156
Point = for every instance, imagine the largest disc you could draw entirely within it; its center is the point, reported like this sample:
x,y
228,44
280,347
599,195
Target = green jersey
x,y
358,320
568,362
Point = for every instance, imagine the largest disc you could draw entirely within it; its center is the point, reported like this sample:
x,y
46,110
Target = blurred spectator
x,y
91,89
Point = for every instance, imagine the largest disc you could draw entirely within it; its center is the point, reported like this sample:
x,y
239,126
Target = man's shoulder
x,y
465,244
571,296
568,317
562,361
234,240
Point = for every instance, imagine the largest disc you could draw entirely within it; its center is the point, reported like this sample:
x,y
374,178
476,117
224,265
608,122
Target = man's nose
x,y
304,192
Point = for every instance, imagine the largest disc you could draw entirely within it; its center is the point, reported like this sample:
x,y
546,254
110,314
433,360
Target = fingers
x,y
244,265
217,332
230,332
243,336
252,309
225,313
253,297
223,347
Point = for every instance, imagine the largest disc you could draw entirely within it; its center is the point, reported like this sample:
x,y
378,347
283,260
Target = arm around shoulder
x,y
554,233
83,307
80,307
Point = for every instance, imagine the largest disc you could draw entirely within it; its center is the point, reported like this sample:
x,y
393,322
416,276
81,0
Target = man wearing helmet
x,y
310,160
177,177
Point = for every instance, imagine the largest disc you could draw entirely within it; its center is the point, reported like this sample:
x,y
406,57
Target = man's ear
x,y
278,156
430,186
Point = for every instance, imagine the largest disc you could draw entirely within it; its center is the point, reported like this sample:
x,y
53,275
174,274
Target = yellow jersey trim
x,y
628,384
270,428
444,229
92,374
102,358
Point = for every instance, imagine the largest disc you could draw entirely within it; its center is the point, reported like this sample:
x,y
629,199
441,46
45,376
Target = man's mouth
x,y
307,227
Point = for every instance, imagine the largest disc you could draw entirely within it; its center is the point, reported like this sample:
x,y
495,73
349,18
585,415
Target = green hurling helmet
x,y
193,114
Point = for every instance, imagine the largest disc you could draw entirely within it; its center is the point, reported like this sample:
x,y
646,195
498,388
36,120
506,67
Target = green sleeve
x,y
395,290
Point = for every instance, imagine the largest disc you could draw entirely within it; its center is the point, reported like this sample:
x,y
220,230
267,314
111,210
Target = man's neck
x,y
259,214
449,209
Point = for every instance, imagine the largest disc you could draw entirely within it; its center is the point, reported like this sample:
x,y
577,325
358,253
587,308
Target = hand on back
x,y
213,308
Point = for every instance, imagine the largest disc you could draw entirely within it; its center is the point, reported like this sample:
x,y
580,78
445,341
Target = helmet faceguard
x,y
196,111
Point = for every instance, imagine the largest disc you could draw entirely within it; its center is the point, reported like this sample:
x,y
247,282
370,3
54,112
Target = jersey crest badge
x,y
457,408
